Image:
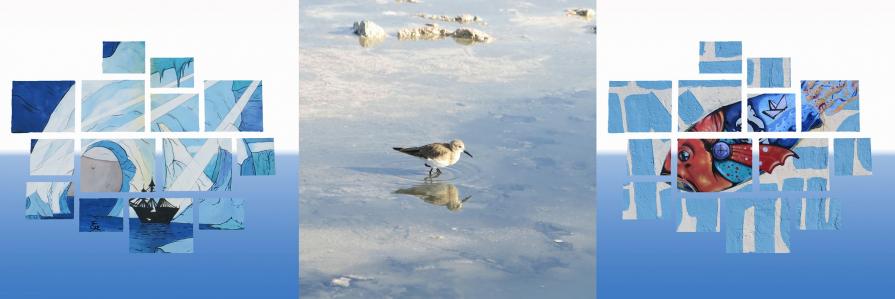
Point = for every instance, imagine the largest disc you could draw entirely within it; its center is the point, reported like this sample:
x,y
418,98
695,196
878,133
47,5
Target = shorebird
x,y
437,155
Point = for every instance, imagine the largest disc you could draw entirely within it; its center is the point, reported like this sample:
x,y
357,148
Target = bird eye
x,y
684,155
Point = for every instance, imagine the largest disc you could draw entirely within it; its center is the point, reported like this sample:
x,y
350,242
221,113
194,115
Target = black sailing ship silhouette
x,y
151,211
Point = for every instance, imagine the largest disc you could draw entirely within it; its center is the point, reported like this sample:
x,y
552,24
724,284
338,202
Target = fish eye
x,y
684,155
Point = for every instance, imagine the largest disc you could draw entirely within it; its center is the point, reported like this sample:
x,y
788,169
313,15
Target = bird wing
x,y
427,151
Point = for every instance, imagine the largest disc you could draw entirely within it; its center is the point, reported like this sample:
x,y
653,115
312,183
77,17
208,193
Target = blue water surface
x,y
648,259
51,259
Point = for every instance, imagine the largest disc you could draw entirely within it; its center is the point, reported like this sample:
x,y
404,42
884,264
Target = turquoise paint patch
x,y
793,184
850,124
772,72
728,49
865,154
769,187
705,210
750,71
618,83
654,84
615,114
811,157
843,156
817,184
645,113
764,213
641,151
689,108
852,105
733,171
721,67
709,83
645,199
816,214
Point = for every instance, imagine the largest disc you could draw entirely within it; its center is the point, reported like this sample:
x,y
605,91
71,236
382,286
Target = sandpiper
x,y
437,155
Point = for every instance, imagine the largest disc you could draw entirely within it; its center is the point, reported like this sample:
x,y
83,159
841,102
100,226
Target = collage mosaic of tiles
x,y
709,174
121,180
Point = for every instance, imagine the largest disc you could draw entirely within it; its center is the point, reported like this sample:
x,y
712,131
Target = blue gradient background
x,y
51,259
648,259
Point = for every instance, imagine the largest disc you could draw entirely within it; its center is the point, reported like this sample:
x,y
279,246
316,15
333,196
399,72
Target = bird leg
x,y
437,172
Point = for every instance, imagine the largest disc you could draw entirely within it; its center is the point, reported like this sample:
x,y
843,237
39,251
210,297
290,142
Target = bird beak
x,y
467,153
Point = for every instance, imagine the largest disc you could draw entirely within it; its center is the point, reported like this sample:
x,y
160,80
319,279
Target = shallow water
x,y
648,259
517,220
150,237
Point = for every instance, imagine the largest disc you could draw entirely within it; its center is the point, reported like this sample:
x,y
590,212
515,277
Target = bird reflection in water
x,y
439,194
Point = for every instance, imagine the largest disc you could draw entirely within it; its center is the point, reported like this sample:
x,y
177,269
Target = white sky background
x,y
238,40
827,40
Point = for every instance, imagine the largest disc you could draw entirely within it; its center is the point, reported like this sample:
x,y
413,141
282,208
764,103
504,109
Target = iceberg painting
x,y
175,112
171,72
233,106
198,164
163,225
117,165
124,57
101,214
43,106
112,106
52,157
221,214
255,156
49,200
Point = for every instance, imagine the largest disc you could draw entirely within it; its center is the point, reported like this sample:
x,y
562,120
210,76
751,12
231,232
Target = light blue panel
x,y
843,156
705,210
124,57
721,67
811,157
769,187
793,184
865,154
108,106
702,48
615,114
171,72
261,160
817,184
645,113
221,97
641,151
645,199
728,49
815,214
772,72
850,124
750,71
709,83
618,83
660,85
853,105
183,118
764,211
689,108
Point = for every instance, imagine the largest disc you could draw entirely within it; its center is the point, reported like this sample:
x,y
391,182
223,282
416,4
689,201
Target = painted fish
x,y
712,165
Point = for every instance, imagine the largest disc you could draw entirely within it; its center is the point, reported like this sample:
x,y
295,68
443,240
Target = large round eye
x,y
684,155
